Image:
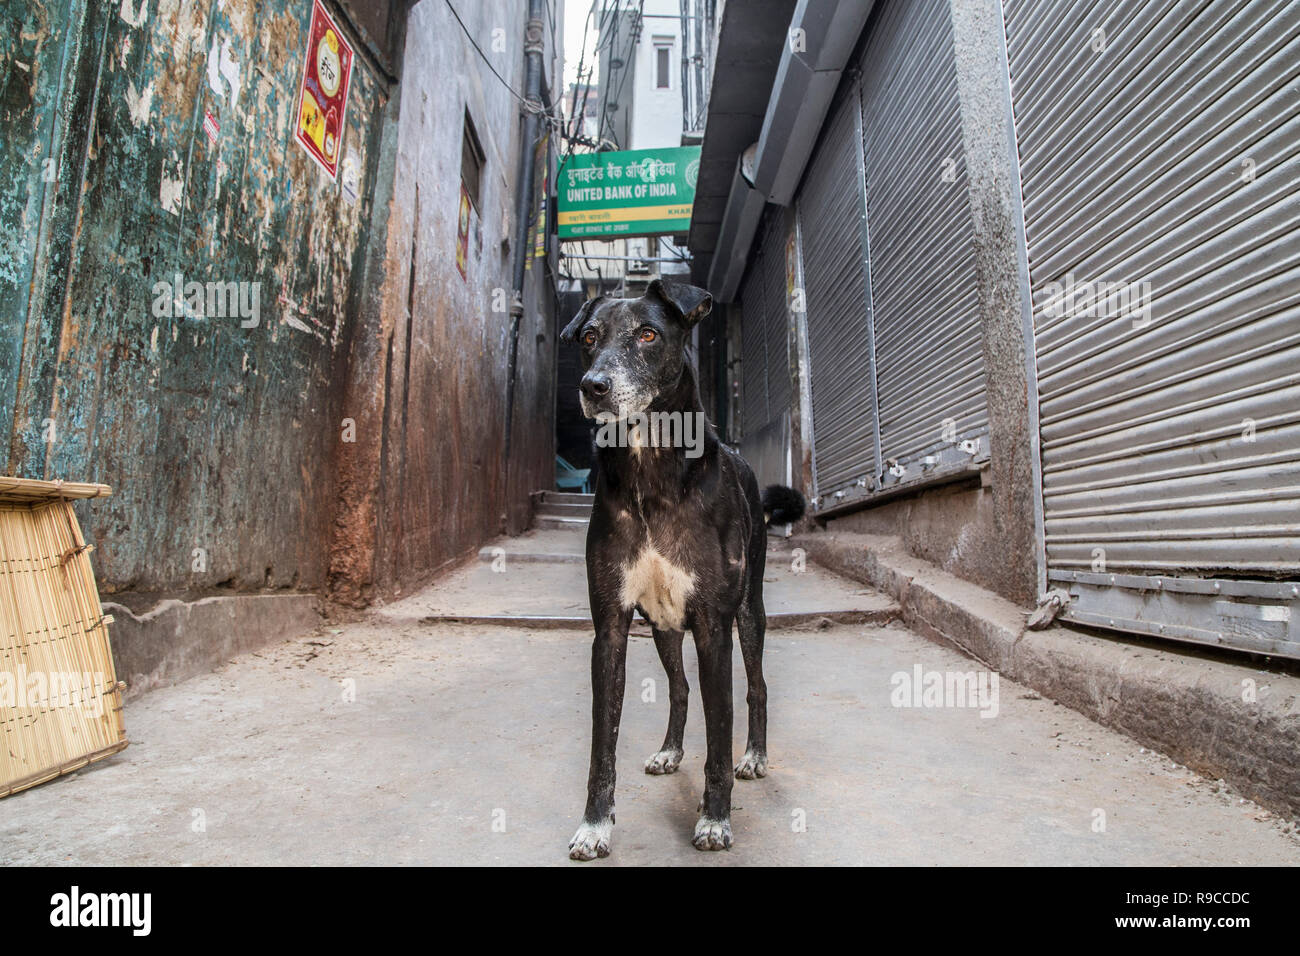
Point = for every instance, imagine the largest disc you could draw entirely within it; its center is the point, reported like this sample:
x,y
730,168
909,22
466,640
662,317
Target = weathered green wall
x,y
212,435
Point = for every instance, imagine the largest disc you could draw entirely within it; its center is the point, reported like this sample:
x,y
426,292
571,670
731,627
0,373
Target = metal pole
x,y
534,42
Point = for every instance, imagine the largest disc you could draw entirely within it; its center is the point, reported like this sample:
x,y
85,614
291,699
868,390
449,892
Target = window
x,y
471,161
663,61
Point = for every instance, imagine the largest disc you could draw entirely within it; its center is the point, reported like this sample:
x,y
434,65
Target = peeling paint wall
x,y
32,66
211,430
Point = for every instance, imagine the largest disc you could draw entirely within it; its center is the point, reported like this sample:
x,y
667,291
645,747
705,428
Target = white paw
x,y
712,834
665,761
591,840
752,765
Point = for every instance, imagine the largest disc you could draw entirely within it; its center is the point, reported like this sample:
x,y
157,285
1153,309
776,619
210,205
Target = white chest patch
x,y
659,586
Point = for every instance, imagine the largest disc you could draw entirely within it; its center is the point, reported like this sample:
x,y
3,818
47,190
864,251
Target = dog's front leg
x,y
713,648
608,669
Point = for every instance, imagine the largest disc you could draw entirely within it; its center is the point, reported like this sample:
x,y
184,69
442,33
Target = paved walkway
x,y
540,579
406,739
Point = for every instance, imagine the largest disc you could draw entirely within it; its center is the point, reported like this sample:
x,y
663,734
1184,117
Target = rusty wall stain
x,y
433,483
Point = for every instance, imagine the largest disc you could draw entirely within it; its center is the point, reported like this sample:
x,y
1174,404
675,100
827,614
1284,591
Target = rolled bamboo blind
x,y
60,702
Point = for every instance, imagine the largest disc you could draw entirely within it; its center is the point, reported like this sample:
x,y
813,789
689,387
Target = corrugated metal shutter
x,y
764,328
1164,155
753,351
838,304
929,347
776,328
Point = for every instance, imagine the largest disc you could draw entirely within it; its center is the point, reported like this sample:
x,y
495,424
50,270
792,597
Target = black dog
x,y
678,533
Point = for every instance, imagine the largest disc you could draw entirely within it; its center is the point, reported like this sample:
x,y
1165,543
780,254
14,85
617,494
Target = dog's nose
x,y
595,386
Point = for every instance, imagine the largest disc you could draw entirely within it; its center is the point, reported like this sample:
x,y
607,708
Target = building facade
x,y
1016,283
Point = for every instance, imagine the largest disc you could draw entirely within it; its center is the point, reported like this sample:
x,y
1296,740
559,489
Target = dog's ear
x,y
693,303
571,330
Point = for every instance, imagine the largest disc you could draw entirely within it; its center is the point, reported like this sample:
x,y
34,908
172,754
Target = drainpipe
x,y
534,35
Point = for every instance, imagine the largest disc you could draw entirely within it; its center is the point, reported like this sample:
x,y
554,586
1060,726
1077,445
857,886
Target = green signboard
x,y
636,192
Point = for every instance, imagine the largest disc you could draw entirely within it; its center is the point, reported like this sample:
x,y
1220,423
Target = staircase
x,y
562,510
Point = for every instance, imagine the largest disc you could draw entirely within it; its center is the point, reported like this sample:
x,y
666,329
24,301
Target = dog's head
x,y
633,349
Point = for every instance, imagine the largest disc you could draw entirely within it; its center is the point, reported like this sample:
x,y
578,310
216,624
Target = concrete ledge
x,y
489,555
1178,701
557,523
780,620
178,639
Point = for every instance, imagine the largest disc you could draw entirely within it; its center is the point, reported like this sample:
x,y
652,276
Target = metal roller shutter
x,y
776,329
1163,156
753,351
837,298
765,437
928,339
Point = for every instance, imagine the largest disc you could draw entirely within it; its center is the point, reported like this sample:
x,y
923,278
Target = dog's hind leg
x,y
751,621
669,757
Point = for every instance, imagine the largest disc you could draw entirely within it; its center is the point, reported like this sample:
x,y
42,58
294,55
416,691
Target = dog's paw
x,y
712,834
591,840
752,764
665,761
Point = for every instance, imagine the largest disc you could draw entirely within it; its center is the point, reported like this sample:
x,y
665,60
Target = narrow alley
x,y
387,387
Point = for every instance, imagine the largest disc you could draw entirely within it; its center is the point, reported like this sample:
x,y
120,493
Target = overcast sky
x,y
575,20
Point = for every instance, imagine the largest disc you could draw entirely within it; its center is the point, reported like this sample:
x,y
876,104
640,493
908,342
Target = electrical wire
x,y
622,80
577,121
554,123
603,38
504,82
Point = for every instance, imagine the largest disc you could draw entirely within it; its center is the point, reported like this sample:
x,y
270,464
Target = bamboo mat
x,y
60,702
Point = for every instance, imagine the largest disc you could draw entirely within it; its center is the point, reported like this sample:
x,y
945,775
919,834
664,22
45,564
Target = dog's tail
x,y
782,505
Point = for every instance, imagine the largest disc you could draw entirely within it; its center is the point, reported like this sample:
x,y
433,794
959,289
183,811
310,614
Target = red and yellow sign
x,y
323,93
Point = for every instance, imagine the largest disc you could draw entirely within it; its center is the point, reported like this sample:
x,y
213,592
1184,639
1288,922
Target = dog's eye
x,y
589,337
648,335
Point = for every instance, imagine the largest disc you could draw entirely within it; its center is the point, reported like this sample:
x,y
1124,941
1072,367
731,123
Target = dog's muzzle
x,y
605,399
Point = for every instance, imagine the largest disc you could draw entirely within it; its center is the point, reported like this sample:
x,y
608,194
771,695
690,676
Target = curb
x,y
1172,699
779,621
177,639
488,555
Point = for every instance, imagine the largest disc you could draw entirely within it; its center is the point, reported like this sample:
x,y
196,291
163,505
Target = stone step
x,y
490,554
780,620
555,522
567,498
539,580
564,510
557,546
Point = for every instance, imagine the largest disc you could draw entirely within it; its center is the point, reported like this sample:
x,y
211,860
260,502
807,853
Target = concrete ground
x,y
392,742
413,737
